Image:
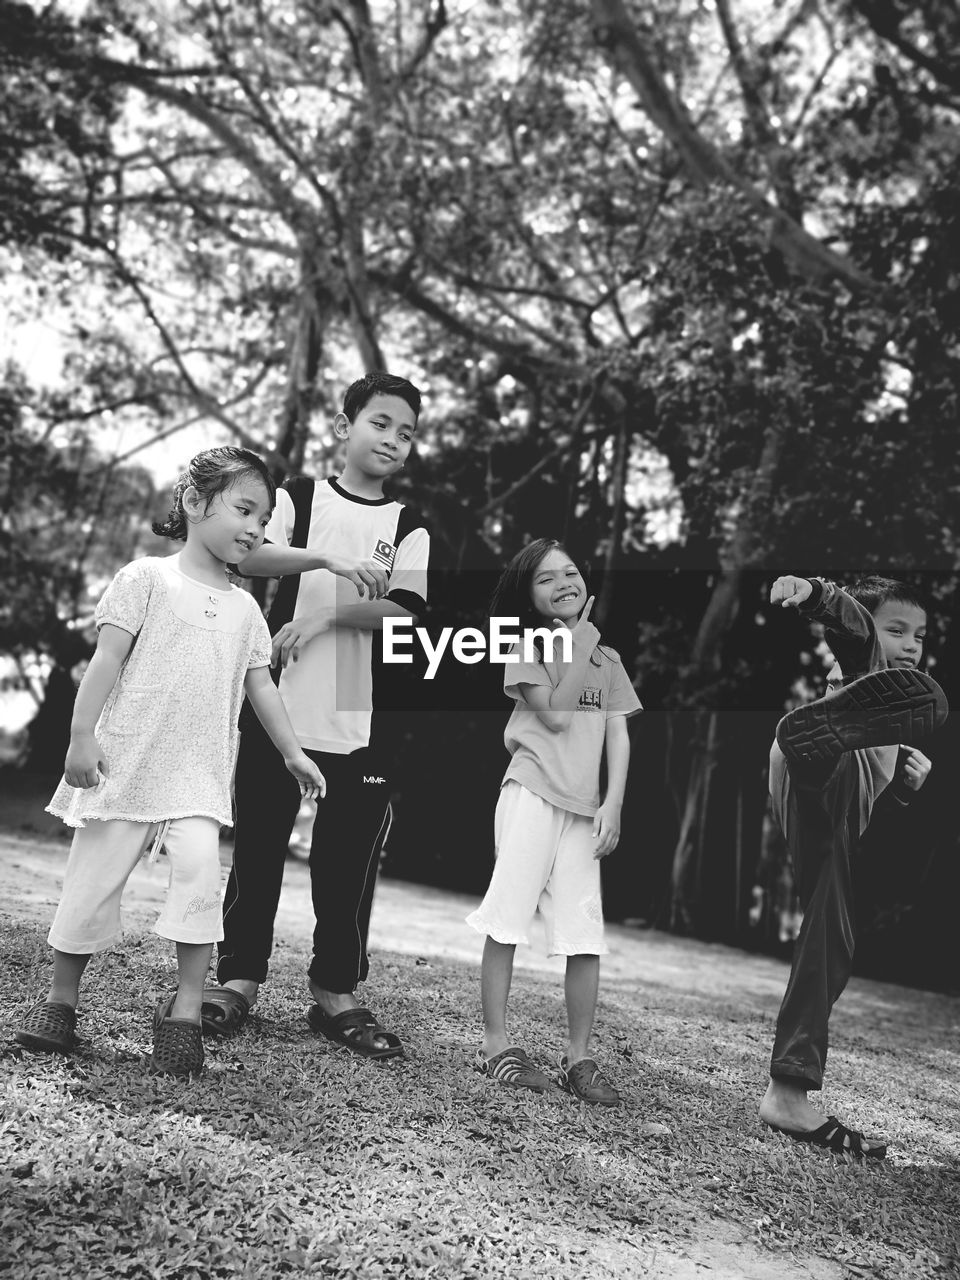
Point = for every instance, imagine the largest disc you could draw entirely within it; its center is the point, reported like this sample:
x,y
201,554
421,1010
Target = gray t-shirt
x,y
564,767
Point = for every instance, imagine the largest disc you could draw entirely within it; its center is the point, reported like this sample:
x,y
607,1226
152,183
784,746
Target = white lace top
x,y
169,727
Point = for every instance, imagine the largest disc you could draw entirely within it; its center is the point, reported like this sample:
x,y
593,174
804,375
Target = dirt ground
x,y
414,919
428,923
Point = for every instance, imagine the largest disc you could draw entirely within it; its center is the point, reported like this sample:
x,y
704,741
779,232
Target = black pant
x,y
348,835
822,822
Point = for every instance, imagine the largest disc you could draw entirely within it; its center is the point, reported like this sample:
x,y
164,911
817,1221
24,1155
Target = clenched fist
x,y
790,592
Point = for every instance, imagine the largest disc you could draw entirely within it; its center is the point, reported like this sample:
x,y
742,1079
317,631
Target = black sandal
x,y
356,1030
48,1027
223,1012
836,1137
177,1044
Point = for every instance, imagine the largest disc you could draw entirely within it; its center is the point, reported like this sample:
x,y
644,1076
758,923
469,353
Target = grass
x,y
290,1157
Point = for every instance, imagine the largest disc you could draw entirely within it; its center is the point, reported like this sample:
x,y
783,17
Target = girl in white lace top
x,y
152,746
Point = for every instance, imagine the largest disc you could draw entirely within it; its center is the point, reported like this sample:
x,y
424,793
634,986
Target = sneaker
x,y
586,1081
887,707
177,1044
49,1027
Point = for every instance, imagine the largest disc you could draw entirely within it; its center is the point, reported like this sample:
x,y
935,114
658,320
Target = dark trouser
x,y
348,835
821,826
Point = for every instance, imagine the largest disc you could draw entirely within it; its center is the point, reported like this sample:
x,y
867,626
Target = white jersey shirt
x,y
328,692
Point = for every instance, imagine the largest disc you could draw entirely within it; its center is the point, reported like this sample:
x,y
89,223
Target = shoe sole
x,y
877,1152
41,1045
514,1084
166,1073
882,709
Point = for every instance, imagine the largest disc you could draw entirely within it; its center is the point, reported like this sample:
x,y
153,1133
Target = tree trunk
x,y
48,733
744,549
612,555
688,856
303,366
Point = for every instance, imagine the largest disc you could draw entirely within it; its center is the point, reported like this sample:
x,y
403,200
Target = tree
x,y
715,245
68,519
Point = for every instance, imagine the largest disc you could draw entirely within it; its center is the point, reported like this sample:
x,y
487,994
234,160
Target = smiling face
x,y
901,630
232,523
379,438
557,589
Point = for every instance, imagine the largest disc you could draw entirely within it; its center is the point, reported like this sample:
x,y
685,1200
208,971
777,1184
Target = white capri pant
x,y
544,861
103,855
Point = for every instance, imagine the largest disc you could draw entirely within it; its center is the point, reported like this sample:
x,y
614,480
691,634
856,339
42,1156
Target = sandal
x,y
177,1044
513,1067
49,1027
356,1030
836,1137
586,1081
224,1011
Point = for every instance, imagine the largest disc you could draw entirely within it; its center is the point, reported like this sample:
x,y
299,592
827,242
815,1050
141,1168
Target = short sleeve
x,y
280,529
408,578
622,699
124,603
261,645
518,673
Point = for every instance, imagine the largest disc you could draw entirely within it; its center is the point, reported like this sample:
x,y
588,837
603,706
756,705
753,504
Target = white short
x,y
103,855
544,861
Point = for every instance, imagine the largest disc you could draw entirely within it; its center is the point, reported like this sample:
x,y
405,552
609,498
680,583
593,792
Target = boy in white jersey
x,y
322,642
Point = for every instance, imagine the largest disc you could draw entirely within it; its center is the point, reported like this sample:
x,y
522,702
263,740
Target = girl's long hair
x,y
512,596
210,473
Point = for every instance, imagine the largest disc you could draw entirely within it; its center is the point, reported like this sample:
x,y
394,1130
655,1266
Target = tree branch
x,y
113,71
576,438
203,399
884,19
704,165
774,152
434,25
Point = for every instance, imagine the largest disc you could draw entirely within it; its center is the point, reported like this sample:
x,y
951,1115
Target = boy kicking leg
x,y
831,761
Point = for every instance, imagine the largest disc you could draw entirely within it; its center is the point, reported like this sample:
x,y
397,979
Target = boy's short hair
x,y
359,393
872,591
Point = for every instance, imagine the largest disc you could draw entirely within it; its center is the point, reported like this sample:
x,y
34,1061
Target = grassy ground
x,y
289,1157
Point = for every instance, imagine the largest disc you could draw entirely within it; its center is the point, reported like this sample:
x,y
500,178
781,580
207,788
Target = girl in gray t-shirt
x,y
551,826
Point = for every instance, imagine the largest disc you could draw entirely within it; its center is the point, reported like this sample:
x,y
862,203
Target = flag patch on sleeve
x,y
385,552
